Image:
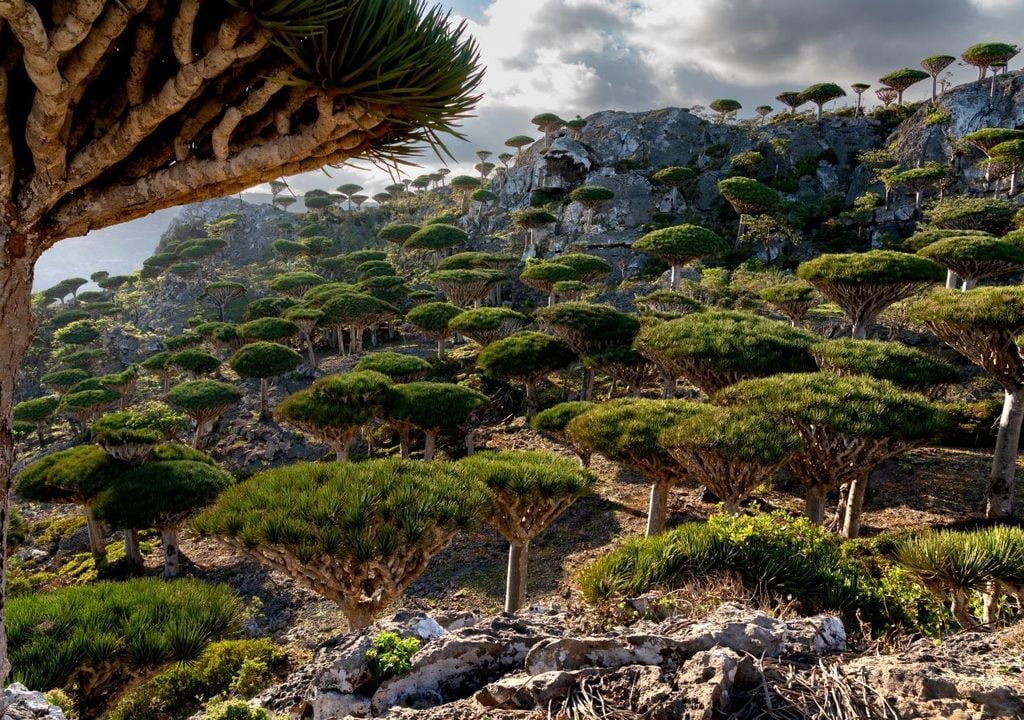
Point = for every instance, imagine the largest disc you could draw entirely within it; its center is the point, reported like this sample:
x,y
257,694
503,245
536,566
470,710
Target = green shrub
x,y
234,710
391,655
88,636
773,553
245,667
400,367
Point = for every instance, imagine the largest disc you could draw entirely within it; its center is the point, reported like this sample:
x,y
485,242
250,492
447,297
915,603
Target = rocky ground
x,y
735,662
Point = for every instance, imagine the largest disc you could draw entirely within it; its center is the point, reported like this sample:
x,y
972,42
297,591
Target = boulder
x,y
20,703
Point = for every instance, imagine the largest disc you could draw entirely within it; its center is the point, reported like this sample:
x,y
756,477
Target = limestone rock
x,y
20,703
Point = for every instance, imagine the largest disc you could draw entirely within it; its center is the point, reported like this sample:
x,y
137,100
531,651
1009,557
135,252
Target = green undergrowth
x,y
225,670
779,558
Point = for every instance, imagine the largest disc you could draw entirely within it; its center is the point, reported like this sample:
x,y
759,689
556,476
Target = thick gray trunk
x,y
854,505
96,545
172,556
952,281
675,276
860,330
657,510
587,387
1004,459
429,444
814,504
531,399
132,554
264,391
515,584
440,349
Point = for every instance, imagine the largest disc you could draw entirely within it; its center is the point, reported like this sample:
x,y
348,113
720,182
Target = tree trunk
x,y
132,554
340,333
969,284
674,277
952,281
531,399
854,504
17,326
814,504
515,583
403,443
587,385
935,84
990,603
1004,459
429,444
172,558
470,442
668,385
657,510
551,298
264,390
310,354
440,349
958,608
96,545
860,329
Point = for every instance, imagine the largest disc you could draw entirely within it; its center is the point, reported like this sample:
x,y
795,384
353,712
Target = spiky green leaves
x,y
264,360
975,257
488,324
80,332
55,636
556,418
586,328
194,360
433,318
748,196
543,274
964,213
400,367
75,475
900,80
436,237
591,195
984,55
589,267
901,365
36,410
397,233
295,283
522,474
675,176
269,329
714,349
161,494
201,398
681,244
525,355
432,406
532,218
822,93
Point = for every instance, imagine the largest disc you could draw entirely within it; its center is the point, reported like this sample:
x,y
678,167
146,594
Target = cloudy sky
x,y
580,56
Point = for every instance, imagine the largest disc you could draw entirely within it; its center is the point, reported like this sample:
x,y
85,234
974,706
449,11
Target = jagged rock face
x,y
620,150
969,107
472,668
19,703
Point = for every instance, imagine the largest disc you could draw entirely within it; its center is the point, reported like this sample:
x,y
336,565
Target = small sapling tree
x,y
204,401
264,360
793,298
591,197
528,491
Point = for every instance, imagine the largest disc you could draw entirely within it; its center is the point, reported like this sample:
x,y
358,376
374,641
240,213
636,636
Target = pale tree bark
x,y
657,509
1004,460
172,553
132,554
97,547
515,586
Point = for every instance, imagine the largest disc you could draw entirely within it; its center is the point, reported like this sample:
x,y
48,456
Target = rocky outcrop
x,y
679,668
19,703
929,134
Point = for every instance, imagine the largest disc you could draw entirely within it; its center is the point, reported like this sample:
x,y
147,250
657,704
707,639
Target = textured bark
x,y
657,509
429,444
1004,460
515,585
17,326
97,547
264,391
863,303
531,399
814,503
172,553
132,554
854,506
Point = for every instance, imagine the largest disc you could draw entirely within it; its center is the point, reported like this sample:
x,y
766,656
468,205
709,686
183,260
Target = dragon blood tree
x,y
554,420
973,258
730,450
434,319
430,407
466,287
347,531
587,329
264,361
335,408
627,431
681,244
220,294
902,79
488,324
528,491
865,284
116,110
847,427
162,494
543,275
716,348
985,326
793,298
591,197
399,367
934,65
204,401
906,367
821,94
527,357
748,197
